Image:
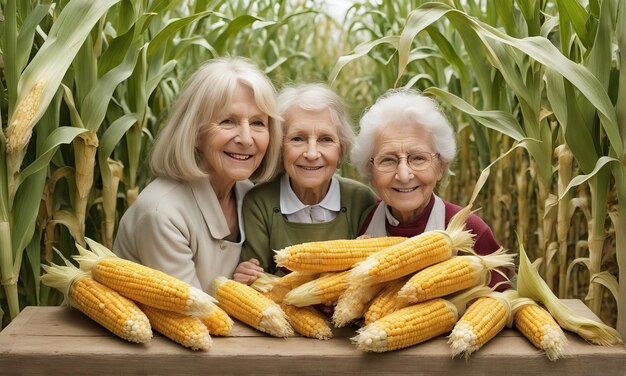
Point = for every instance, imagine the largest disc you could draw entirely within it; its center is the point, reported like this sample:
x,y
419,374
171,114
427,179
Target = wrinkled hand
x,y
247,271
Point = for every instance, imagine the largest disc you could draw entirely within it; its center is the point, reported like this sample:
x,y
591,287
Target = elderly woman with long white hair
x,y
404,148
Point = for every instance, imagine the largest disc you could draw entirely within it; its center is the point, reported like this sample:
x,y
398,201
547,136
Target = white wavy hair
x,y
411,109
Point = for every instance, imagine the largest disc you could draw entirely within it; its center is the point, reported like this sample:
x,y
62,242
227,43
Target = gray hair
x,y
319,97
204,98
407,107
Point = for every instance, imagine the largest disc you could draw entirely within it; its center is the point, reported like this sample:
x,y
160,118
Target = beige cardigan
x,y
178,228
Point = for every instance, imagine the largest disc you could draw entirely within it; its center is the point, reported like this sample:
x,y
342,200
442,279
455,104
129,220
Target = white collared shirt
x,y
296,211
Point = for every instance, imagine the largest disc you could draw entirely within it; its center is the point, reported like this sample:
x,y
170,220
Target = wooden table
x,y
60,341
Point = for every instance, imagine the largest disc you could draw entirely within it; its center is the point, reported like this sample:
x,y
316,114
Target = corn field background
x,y
533,88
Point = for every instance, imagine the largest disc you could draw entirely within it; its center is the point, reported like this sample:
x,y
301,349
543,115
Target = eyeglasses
x,y
416,161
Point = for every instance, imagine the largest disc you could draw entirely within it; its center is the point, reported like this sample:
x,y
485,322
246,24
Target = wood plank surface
x,y
60,341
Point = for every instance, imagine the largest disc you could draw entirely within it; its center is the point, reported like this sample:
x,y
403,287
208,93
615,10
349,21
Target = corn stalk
x,y
35,88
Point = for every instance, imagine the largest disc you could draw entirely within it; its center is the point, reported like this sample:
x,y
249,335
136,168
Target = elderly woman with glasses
x,y
405,147
308,202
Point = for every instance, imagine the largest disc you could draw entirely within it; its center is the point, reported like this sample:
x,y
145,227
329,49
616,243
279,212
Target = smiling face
x,y
311,153
234,145
407,192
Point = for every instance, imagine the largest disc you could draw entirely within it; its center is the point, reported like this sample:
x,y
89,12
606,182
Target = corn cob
x,y
308,321
536,324
251,307
352,304
143,284
484,318
414,324
415,253
217,322
387,301
103,305
21,126
185,330
323,290
531,285
453,275
277,287
331,255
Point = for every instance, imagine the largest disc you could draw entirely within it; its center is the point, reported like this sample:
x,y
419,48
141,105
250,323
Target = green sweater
x,y
267,229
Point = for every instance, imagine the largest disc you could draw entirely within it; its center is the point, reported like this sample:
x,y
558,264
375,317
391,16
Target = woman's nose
x,y
245,135
311,151
403,172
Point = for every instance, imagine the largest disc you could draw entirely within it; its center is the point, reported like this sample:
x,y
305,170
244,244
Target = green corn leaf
x,y
233,28
497,120
61,135
68,97
158,42
28,208
578,180
118,48
359,51
607,280
33,253
27,34
573,11
96,103
110,139
12,68
154,78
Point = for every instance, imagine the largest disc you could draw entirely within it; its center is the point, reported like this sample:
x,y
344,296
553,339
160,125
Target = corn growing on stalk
x,y
119,315
143,284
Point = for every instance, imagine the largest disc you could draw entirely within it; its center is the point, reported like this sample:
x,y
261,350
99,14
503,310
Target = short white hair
x,y
319,97
411,109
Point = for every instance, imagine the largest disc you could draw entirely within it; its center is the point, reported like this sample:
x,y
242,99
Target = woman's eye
x,y
297,139
228,122
258,123
326,139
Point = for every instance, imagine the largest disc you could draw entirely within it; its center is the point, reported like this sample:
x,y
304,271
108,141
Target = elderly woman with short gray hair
x,y
405,148
308,202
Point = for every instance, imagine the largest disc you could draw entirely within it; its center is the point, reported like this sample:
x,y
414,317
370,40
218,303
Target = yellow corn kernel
x,y
103,305
143,284
407,326
331,255
484,318
308,321
387,301
536,324
323,290
21,126
352,303
452,275
415,253
251,307
218,322
182,329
